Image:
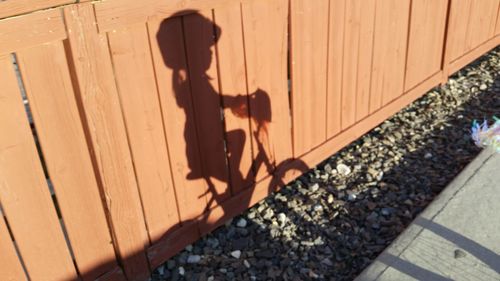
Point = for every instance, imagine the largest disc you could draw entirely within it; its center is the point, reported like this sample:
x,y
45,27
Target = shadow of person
x,y
211,151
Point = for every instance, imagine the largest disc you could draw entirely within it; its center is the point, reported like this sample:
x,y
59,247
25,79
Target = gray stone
x,y
193,259
236,254
314,187
241,223
343,169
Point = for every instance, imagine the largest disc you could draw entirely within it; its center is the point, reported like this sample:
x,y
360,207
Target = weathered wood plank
x,y
169,58
482,21
350,65
365,52
497,26
457,29
309,38
135,78
265,31
425,47
99,98
24,193
335,60
202,69
31,30
9,8
389,53
10,265
117,14
232,79
52,101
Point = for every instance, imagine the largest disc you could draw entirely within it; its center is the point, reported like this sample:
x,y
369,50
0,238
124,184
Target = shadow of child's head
x,y
172,41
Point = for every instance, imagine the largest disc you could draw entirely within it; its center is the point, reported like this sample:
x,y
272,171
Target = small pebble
x,y
318,208
241,223
193,259
282,218
161,270
343,169
236,254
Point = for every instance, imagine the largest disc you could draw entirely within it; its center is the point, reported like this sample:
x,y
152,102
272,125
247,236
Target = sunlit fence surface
x,y
131,128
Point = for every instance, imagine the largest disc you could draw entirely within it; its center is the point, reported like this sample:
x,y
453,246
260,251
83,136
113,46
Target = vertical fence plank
x,y
425,49
202,65
137,88
169,58
265,31
365,52
309,27
350,65
457,28
48,85
335,59
10,265
232,77
24,193
389,53
99,98
482,22
497,25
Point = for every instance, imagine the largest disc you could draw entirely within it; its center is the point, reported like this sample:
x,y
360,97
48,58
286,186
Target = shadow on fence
x,y
415,176
447,144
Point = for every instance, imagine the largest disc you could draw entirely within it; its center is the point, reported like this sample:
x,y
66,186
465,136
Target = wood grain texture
x,y
52,101
171,244
426,42
25,196
265,31
135,78
309,38
99,97
10,265
358,44
232,79
474,54
116,274
458,28
169,58
9,8
365,52
497,25
118,14
203,77
389,52
481,24
335,66
31,30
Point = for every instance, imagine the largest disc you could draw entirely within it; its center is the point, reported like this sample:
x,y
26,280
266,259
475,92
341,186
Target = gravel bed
x,y
334,220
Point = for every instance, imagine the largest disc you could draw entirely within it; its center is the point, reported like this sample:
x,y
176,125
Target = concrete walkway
x,y
457,237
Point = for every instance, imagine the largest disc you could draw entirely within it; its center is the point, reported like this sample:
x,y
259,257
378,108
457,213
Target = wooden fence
x,y
152,122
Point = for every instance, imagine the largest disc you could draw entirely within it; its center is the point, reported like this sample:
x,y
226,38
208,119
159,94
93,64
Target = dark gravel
x,y
334,220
